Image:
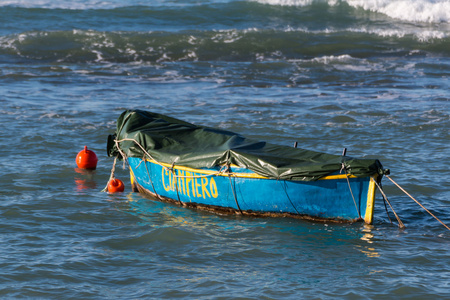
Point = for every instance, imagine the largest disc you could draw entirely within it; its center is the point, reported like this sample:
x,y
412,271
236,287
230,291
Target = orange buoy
x,y
86,159
115,185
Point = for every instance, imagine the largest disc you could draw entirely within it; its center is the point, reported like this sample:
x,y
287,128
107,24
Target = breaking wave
x,y
77,46
431,11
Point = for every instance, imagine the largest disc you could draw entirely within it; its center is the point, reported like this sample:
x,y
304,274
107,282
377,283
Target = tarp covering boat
x,y
175,142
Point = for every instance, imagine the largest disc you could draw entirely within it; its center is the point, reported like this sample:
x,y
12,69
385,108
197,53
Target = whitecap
x,y
70,4
431,11
420,35
297,2
332,58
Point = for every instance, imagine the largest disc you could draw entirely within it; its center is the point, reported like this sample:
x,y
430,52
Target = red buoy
x,y
86,159
115,185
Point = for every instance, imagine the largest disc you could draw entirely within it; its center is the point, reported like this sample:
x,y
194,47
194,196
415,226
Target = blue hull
x,y
241,191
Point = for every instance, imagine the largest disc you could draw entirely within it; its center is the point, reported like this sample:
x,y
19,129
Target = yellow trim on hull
x,y
132,177
368,219
331,177
240,175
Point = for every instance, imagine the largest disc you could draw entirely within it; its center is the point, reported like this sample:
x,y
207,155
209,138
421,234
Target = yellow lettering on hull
x,y
188,179
213,188
197,186
186,182
164,174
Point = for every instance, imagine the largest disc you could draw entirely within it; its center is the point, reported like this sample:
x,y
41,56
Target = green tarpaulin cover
x,y
173,141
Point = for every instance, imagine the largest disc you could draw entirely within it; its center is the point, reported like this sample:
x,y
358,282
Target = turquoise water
x,y
370,76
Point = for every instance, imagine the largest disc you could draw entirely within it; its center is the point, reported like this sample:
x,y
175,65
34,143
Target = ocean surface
x,y
370,76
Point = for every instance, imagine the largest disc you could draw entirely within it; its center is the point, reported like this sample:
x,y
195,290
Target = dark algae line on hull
x,y
184,158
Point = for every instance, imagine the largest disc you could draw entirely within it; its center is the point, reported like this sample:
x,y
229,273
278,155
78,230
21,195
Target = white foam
x,y
420,35
72,4
91,4
431,11
332,59
343,62
297,2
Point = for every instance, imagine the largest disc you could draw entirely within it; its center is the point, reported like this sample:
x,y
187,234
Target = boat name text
x,y
189,183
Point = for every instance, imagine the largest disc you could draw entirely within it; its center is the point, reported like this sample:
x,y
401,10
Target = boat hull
x,y
336,197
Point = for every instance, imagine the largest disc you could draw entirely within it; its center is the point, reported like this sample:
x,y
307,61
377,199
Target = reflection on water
x,y
369,250
162,214
84,179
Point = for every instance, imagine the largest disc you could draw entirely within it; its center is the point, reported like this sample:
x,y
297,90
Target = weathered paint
x,y
325,199
370,201
189,184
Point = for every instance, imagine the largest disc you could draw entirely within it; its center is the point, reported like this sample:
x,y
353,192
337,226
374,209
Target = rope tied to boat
x,y
400,223
149,177
403,190
221,171
384,202
234,194
111,176
350,188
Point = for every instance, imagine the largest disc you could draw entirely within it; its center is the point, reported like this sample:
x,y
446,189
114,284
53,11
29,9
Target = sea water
x,y
369,76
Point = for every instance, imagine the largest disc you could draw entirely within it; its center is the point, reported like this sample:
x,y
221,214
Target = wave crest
x,y
222,45
429,11
408,10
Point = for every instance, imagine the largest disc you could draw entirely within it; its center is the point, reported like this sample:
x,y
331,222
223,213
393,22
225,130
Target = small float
x,y
222,171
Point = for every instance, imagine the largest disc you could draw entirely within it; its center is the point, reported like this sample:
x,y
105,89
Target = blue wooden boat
x,y
221,171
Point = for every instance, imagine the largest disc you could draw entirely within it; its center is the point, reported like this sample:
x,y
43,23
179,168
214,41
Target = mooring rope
x,y
385,206
287,195
220,172
403,190
111,176
234,194
351,192
149,177
400,223
176,182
